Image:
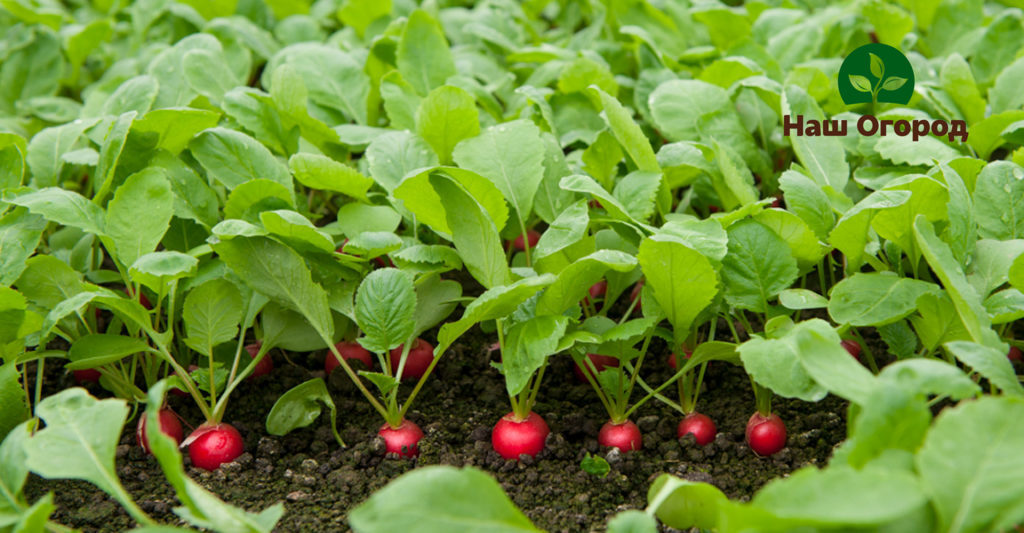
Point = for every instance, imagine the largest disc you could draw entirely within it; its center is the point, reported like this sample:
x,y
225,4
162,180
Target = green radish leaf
x,y
759,266
511,155
98,349
842,495
876,299
279,273
615,209
823,157
990,363
212,313
420,197
157,270
325,174
386,309
297,230
233,158
79,442
774,363
474,234
171,129
596,465
45,150
981,490
61,206
683,504
20,232
566,230
683,281
574,281
13,470
498,302
446,116
13,411
423,57
139,215
999,201
818,347
806,199
333,78
850,234
251,198
802,299
435,300
706,236
300,407
434,498
527,347
802,241
395,154
966,300
628,133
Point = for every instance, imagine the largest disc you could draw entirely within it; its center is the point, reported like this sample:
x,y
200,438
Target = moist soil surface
x,y
319,482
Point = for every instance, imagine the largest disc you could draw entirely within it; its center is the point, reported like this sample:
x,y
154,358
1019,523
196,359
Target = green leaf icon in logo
x,y
877,66
893,83
860,83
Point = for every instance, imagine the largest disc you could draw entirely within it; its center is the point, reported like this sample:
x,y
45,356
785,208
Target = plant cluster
x,y
188,188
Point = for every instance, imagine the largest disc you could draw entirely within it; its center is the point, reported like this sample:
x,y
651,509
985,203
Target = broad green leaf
x,y
638,193
957,80
823,157
395,154
212,313
498,302
734,183
1003,95
527,347
774,363
892,418
139,215
13,411
136,94
334,79
802,241
842,496
567,229
968,465
420,197
279,273
385,309
251,198
683,504
628,133
79,442
575,280
706,236
999,201
61,206
325,174
474,234
255,111
300,407
110,154
585,184
990,363
355,218
818,347
423,57
937,321
297,230
34,66
511,155
758,266
157,270
850,234
876,299
439,499
47,148
97,349
446,116
992,262
233,158
172,128
802,299
435,300
683,281
966,300
20,232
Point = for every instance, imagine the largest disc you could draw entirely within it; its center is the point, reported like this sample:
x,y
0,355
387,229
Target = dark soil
x,y
320,482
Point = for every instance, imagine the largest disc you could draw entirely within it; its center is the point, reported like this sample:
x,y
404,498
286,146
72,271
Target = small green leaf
x,y
759,266
385,309
893,83
212,313
860,83
300,407
877,66
325,174
595,465
446,116
423,56
683,281
876,299
233,158
98,349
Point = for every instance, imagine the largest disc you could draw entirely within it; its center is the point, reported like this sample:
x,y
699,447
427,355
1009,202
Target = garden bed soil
x,y
319,482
